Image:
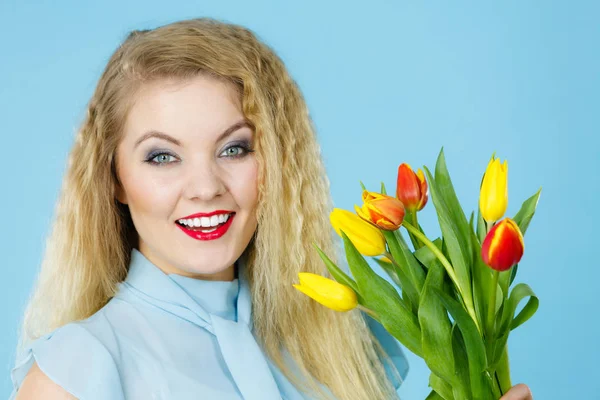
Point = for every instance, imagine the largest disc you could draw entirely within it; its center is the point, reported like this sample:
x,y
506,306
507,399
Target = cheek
x,y
150,195
246,185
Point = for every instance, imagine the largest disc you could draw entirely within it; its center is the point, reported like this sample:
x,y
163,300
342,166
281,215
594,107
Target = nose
x,y
204,182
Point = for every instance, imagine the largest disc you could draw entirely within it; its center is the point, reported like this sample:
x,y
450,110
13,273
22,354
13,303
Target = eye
x,y
160,158
237,151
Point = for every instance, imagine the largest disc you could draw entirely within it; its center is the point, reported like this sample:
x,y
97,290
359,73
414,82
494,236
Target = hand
x,y
518,392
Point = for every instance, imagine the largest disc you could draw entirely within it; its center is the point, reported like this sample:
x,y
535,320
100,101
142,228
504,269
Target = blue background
x,y
386,83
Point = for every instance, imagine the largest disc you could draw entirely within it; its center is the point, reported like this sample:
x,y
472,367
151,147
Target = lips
x,y
200,228
220,230
216,212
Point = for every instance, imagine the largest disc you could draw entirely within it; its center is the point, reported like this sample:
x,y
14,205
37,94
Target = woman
x,y
168,270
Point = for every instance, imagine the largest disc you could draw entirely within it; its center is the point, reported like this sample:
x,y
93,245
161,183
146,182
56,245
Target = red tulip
x,y
503,246
411,188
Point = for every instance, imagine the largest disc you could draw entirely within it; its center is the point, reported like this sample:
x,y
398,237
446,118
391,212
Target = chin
x,y
206,269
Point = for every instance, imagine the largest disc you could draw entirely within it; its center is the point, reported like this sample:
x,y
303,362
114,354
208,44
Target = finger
x,y
518,392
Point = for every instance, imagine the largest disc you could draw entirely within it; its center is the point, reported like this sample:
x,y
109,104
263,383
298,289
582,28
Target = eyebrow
x,y
169,138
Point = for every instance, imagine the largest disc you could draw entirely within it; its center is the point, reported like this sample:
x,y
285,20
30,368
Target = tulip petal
x,y
367,238
326,291
384,211
364,214
408,189
503,246
493,198
424,192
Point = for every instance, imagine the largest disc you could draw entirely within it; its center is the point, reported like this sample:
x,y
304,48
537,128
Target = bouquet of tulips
x,y
456,306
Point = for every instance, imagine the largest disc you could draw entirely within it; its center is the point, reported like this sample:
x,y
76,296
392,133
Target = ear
x,y
120,194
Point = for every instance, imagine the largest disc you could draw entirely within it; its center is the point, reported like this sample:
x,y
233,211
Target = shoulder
x,y
75,357
37,385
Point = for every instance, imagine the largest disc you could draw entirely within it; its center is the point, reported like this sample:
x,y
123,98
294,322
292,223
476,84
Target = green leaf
x,y
381,297
436,337
441,388
474,345
457,215
404,283
462,387
426,256
523,217
383,191
389,269
503,371
482,285
509,321
513,273
335,271
480,227
518,293
454,241
497,347
405,258
362,186
505,279
434,396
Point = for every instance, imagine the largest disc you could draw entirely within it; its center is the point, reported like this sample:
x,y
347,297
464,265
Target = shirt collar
x,y
189,298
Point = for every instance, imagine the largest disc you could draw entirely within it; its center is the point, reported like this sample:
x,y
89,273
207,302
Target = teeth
x,y
205,222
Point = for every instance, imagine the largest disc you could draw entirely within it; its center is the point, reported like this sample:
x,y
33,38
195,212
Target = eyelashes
x,y
153,155
244,146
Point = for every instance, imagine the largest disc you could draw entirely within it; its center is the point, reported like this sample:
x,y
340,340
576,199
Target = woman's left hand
x,y
518,392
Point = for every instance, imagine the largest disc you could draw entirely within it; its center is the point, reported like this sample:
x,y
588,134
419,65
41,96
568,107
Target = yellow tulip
x,y
493,196
367,238
328,292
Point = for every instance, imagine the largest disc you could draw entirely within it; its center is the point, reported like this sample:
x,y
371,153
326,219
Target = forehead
x,y
201,105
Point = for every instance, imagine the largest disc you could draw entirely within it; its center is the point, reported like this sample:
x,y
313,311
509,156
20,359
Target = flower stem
x,y
488,226
494,384
372,313
492,306
498,383
391,258
449,269
415,222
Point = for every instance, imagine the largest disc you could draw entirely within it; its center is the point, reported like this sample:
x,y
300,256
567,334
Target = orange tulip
x,y
411,188
384,211
503,246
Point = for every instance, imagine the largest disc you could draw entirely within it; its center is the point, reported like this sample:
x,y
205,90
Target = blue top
x,y
167,336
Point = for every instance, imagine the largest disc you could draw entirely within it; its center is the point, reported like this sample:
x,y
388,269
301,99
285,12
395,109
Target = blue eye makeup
x,y
159,155
162,157
245,147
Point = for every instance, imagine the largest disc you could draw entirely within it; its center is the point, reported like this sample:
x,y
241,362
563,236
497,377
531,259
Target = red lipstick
x,y
198,215
215,234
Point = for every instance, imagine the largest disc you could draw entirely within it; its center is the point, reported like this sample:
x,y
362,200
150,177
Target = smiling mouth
x,y
205,229
202,228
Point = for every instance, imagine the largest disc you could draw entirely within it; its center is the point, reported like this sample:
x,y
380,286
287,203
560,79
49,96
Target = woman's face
x,y
185,152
